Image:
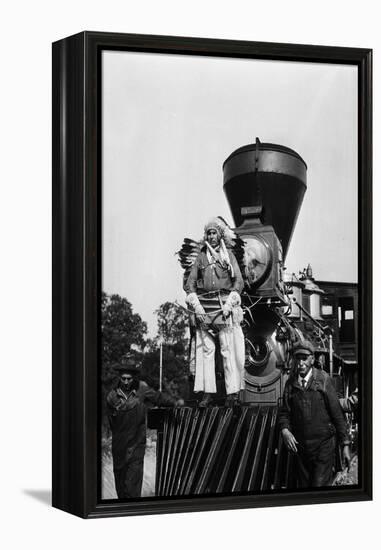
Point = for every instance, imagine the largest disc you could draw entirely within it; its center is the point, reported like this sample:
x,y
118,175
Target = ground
x,y
348,476
148,489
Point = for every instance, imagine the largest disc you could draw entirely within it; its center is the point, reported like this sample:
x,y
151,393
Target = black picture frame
x,y
76,267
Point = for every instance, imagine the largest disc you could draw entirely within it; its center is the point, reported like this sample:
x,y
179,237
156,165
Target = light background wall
x,y
27,30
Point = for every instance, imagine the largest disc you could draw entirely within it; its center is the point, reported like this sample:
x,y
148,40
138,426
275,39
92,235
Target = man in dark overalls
x,y
127,417
311,419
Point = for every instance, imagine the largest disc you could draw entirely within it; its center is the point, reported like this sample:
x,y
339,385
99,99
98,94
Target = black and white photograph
x,y
189,244
229,276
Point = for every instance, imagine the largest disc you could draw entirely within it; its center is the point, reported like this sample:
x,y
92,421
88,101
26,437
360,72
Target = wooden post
x,y
161,367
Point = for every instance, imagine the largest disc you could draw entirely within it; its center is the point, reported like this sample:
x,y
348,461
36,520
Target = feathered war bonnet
x,y
223,230
226,239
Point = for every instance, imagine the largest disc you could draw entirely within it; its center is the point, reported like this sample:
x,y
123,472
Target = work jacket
x,y
312,414
208,277
127,417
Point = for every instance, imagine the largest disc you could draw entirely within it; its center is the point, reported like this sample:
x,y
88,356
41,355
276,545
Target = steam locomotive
x,y
223,450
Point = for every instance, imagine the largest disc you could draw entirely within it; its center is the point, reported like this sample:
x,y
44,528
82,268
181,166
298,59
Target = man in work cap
x,y
213,294
311,420
127,404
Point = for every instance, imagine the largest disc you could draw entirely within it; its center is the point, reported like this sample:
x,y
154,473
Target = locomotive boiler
x,y
220,450
265,185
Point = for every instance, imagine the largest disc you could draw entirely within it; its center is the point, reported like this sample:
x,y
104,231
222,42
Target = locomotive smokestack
x,y
267,175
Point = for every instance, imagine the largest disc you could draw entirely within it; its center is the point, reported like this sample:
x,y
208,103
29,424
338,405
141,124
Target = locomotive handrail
x,y
326,329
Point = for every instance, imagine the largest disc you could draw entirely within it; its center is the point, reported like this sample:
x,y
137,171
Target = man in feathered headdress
x,y
213,293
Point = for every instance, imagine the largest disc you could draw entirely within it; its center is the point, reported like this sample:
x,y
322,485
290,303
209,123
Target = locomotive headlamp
x,y
258,259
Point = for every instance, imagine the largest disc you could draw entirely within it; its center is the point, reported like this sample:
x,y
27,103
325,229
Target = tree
x,y
172,322
121,328
175,372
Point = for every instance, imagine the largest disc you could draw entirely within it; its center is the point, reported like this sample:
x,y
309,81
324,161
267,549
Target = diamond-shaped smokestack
x,y
267,175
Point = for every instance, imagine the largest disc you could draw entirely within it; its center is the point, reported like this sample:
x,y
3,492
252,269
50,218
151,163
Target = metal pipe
x,y
330,354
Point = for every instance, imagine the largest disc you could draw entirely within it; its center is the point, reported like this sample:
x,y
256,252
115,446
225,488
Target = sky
x,y
169,123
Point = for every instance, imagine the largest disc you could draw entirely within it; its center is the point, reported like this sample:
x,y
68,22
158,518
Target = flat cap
x,y
128,366
304,346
